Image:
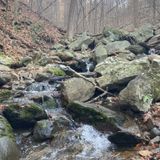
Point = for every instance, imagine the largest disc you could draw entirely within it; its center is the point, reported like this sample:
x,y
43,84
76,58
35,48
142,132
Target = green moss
x,y
5,94
5,129
88,115
50,104
56,71
5,59
30,111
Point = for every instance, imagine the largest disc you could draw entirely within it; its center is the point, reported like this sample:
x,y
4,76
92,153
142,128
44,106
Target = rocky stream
x,y
93,98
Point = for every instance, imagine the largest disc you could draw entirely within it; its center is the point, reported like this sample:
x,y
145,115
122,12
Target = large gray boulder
x,y
46,129
117,46
100,53
81,43
8,147
143,33
97,115
78,89
112,35
116,71
5,75
142,91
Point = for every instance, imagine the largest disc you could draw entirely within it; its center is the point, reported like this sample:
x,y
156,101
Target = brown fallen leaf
x,y
145,153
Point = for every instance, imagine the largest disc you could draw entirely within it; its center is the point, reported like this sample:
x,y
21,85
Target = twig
x,y
83,77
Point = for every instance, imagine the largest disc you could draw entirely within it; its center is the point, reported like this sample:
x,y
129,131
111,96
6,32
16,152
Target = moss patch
x,y
5,59
5,128
5,94
56,71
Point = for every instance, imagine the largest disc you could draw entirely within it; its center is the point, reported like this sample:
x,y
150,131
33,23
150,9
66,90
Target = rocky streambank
x,y
89,98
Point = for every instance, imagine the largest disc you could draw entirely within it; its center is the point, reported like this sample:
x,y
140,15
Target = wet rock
x,y
143,33
136,49
78,89
116,72
97,115
124,139
155,132
100,53
46,129
8,147
5,94
4,79
142,91
24,116
81,43
155,140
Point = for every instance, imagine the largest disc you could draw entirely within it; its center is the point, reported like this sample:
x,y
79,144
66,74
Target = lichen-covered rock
x,y
5,75
24,116
112,34
100,53
143,33
142,91
8,147
46,129
136,49
81,43
116,72
78,89
94,114
117,46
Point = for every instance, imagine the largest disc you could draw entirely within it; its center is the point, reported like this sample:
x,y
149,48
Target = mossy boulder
x,y
56,71
8,147
24,116
112,34
100,53
143,33
142,92
116,47
4,59
5,94
5,75
46,129
136,49
81,43
97,115
117,72
78,89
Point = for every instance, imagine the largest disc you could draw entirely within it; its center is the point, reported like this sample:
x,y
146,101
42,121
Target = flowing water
x,y
80,142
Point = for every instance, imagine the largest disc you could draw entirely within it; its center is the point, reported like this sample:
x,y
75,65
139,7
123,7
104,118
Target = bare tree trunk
x,y
70,26
135,13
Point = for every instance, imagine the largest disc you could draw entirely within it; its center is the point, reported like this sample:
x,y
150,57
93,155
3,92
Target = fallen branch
x,y
98,97
86,79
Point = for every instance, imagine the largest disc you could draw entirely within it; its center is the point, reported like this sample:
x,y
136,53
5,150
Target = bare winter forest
x,y
93,15
79,79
